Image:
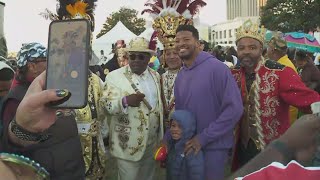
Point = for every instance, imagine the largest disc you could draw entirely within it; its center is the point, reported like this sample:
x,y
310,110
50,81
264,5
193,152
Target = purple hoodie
x,y
208,90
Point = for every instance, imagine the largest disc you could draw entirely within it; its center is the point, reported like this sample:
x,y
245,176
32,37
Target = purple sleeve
x,y
231,107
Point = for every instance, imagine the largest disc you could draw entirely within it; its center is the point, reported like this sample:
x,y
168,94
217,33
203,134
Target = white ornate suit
x,y
132,129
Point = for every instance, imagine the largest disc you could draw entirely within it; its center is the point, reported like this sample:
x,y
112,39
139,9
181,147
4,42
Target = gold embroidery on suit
x,y
139,146
123,129
270,106
168,86
272,127
269,80
93,152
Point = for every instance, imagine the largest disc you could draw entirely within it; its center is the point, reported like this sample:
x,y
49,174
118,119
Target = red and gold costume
x,y
267,94
278,88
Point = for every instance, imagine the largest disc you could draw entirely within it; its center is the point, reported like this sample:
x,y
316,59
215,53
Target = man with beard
x,y
267,88
205,87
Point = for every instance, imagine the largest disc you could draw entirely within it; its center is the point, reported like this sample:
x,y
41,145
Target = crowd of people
x,y
250,103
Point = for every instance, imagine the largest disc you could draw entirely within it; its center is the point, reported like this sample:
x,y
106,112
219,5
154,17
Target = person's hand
x,y
193,145
134,100
33,114
302,137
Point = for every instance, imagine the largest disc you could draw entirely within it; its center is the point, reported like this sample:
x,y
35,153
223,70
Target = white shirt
x,y
146,85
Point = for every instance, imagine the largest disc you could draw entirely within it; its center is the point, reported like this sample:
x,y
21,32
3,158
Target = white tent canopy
x,y
118,32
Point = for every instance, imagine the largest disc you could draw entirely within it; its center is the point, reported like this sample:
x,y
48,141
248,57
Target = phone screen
x,y
68,58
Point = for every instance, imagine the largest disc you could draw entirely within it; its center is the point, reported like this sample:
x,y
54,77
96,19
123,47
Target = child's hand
x,y
192,145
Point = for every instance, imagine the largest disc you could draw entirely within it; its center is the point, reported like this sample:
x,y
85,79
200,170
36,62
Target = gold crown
x,y
166,27
251,30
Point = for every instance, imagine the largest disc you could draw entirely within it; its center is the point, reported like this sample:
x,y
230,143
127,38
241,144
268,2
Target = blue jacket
x,y
179,166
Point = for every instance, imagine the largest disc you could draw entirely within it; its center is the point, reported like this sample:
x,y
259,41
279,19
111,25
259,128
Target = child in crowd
x,y
180,166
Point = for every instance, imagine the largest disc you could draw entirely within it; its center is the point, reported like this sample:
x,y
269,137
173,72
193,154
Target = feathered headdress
x,y
72,9
169,14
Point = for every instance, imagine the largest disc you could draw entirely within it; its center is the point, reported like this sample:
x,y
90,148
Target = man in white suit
x,y
132,98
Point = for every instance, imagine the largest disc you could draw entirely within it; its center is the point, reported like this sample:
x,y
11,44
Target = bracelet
x,y
25,135
125,102
41,172
281,147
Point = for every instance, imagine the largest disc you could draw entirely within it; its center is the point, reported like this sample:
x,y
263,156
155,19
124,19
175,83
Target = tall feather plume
x,y
157,6
62,4
48,15
152,8
61,8
195,6
183,6
149,11
192,5
153,41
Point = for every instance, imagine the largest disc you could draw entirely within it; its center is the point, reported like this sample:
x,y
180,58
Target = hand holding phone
x,y
68,61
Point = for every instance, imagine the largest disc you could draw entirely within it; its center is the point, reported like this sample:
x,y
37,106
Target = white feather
x,y
187,14
164,3
170,11
196,21
178,3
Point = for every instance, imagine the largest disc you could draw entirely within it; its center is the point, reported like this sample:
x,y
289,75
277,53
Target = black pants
x,y
246,154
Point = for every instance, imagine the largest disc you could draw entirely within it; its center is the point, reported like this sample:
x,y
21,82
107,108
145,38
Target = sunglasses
x,y
139,57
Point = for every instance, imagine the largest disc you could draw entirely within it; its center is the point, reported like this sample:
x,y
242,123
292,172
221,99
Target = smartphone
x,y
68,61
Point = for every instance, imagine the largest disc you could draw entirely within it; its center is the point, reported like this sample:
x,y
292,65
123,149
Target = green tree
x,y
291,15
128,17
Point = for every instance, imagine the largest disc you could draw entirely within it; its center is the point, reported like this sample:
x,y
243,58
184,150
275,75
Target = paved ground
x,y
111,170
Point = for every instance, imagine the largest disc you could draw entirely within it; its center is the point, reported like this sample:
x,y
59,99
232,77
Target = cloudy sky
x,y
23,24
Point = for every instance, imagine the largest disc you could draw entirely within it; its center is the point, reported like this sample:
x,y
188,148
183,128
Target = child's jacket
x,y
179,166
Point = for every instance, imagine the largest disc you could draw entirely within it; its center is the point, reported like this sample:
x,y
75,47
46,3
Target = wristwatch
x,y
25,135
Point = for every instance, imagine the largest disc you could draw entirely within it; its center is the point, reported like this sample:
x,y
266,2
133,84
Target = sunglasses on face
x,y
138,57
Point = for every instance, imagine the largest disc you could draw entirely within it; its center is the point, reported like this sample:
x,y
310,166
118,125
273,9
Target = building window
x,y
225,33
217,37
230,33
220,32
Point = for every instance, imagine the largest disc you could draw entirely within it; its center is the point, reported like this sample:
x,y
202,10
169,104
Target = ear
x,y
198,43
31,67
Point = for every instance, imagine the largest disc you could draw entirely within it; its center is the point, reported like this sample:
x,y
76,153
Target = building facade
x,y
224,33
244,8
1,18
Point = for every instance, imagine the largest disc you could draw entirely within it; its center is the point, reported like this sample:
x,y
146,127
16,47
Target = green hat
x,y
278,41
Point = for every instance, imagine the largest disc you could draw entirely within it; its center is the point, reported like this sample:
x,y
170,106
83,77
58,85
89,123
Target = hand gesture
x,y
33,114
192,145
134,100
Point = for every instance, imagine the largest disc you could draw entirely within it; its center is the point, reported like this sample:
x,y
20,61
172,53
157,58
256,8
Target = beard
x,y
248,61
